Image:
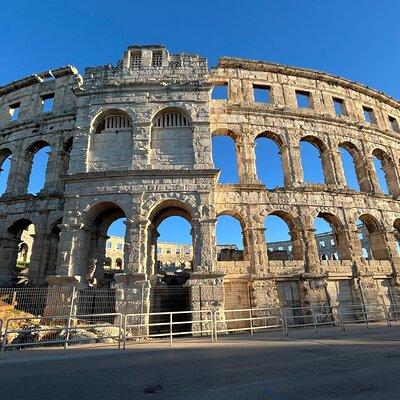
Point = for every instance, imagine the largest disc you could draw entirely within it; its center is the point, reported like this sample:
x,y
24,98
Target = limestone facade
x,y
134,140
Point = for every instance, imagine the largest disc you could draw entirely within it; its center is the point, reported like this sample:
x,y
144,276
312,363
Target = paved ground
x,y
357,364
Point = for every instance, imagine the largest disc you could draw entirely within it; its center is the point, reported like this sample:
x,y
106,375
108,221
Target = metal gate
x,y
169,299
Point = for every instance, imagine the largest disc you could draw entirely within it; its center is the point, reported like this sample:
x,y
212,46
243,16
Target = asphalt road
x,y
358,364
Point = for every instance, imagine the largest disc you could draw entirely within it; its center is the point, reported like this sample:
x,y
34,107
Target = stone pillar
x,y
132,246
203,233
312,261
391,242
18,177
207,293
330,167
374,184
296,169
339,177
8,257
246,160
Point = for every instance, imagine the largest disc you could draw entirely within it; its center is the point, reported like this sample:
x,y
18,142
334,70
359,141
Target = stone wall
x,y
134,140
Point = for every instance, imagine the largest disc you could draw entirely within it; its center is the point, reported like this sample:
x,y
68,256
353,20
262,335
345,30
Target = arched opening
x,y
19,241
231,243
386,172
372,237
170,231
107,225
108,263
269,163
174,243
113,120
312,159
352,166
118,263
225,158
330,237
396,226
282,238
171,139
5,164
38,154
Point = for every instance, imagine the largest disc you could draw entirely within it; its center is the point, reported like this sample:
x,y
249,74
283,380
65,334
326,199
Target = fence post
x,y
170,328
315,322
124,337
119,331
215,326
285,328
365,315
67,334
251,322
4,339
387,315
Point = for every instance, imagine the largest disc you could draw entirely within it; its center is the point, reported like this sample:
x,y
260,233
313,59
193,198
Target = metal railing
x,y
247,319
168,325
62,330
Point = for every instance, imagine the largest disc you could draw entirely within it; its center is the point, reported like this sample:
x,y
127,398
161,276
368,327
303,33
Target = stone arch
x,y
171,138
5,157
228,162
376,237
389,170
108,262
10,247
111,120
156,216
97,219
297,251
324,155
238,255
338,235
282,154
28,166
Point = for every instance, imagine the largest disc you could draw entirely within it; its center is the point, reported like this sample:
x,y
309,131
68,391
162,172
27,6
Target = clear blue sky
x,y
356,39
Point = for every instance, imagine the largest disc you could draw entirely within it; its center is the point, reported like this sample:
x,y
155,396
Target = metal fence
x,y
62,317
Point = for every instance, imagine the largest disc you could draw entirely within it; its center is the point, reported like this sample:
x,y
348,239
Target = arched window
x,y
372,237
386,172
350,162
281,237
171,140
311,152
5,164
330,238
118,263
269,163
229,237
112,120
39,154
225,158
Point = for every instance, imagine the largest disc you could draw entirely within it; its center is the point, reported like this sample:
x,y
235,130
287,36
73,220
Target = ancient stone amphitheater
x,y
134,140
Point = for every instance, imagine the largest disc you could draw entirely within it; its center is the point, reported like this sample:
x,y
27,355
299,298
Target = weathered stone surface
x,y
134,140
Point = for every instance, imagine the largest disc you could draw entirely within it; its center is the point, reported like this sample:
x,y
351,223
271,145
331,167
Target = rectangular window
x,y
136,60
109,245
14,111
360,236
303,99
262,94
119,246
220,91
157,59
332,242
270,249
178,251
394,124
47,102
338,105
290,248
280,248
369,115
322,243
